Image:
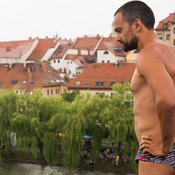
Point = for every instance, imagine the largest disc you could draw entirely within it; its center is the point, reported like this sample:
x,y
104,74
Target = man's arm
x,y
151,66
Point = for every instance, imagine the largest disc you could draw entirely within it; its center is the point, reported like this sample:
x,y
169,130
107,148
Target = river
x,y
32,169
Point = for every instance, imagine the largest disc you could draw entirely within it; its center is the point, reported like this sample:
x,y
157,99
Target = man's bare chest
x,y
137,82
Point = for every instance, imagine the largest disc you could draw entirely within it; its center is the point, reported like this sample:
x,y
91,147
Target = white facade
x,y
109,93
71,68
105,56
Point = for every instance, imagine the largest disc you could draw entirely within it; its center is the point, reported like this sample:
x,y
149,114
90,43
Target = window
x,y
118,50
135,51
108,61
51,91
165,25
167,36
87,83
54,61
47,92
102,84
14,81
56,91
160,36
77,83
106,52
24,82
112,93
112,82
58,61
103,61
99,83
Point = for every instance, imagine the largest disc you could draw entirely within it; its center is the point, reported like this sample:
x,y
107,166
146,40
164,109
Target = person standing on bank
x,y
153,87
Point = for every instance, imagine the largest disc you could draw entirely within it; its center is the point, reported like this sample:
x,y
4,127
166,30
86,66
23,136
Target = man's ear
x,y
137,25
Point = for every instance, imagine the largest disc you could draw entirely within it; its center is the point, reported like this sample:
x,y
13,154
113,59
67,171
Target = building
x,y
16,51
99,77
110,51
57,59
166,29
30,76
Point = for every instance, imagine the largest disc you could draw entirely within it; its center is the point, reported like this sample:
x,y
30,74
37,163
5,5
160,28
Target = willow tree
x,y
85,118
120,119
8,106
25,122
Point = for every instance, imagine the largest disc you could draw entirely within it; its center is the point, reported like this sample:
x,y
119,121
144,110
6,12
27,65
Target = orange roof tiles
x,y
62,49
41,48
25,79
110,44
103,72
14,49
168,20
86,42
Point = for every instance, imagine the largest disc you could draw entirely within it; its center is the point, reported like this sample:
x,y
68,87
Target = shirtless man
x,y
153,86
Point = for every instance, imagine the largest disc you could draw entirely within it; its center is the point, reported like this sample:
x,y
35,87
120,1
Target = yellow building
x,y
166,29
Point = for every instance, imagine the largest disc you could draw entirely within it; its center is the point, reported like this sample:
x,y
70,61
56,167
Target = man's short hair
x,y
137,10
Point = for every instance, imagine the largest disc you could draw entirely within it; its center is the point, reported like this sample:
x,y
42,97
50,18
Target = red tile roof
x,y
14,49
168,20
41,48
102,72
110,44
35,78
62,49
87,42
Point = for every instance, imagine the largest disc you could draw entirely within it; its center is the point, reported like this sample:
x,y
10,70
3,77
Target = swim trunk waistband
x,y
169,159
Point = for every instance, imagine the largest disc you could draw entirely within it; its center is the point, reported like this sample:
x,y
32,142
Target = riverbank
x,y
107,166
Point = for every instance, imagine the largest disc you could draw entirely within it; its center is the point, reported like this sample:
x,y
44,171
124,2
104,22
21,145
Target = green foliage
x,y
69,97
50,148
38,120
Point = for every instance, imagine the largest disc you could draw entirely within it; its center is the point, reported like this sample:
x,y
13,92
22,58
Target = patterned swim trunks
x,y
169,159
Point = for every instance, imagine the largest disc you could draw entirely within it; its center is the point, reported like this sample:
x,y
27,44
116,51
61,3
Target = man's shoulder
x,y
152,53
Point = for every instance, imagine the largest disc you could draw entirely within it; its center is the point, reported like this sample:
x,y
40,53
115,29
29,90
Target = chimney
x,y
98,36
44,65
30,38
89,52
79,51
29,75
8,48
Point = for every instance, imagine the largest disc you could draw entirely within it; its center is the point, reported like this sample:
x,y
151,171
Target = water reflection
x,y
31,169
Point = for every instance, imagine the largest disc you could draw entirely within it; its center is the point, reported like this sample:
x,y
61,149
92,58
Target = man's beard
x,y
127,46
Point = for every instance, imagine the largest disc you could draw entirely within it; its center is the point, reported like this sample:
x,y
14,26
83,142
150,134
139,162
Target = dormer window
x,y
87,83
14,81
77,83
165,25
106,52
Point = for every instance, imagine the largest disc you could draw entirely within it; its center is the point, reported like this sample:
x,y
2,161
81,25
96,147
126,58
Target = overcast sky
x,y
20,19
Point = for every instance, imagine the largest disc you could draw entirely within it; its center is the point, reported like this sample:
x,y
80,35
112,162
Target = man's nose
x,y
118,36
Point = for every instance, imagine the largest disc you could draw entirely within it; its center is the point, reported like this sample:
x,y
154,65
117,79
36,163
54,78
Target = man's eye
x,y
118,30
